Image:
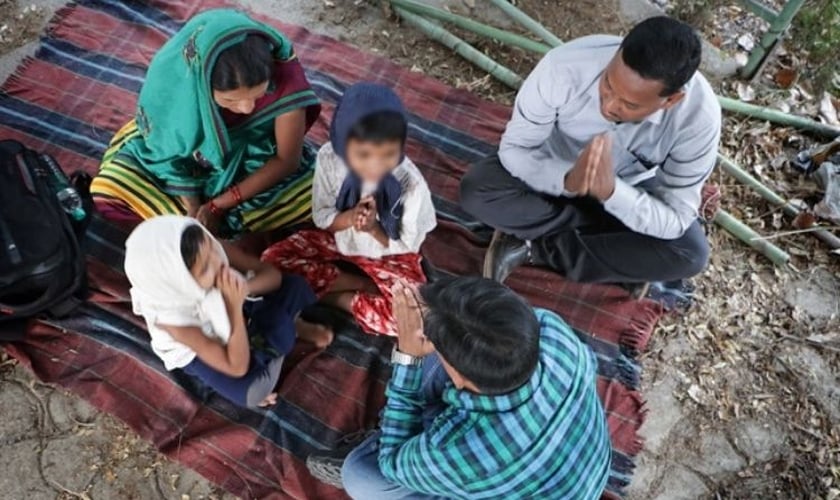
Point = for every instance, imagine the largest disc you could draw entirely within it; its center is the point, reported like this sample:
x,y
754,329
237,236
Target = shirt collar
x,y
656,117
494,404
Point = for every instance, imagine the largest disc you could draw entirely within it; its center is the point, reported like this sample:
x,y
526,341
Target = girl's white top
x,y
164,291
418,211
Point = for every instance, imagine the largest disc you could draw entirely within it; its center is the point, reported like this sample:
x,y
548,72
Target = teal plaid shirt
x,y
547,439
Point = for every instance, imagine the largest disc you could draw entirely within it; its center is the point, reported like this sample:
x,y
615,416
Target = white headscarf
x,y
164,291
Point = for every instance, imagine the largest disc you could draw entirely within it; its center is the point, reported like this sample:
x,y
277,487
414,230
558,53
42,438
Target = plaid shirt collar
x,y
494,404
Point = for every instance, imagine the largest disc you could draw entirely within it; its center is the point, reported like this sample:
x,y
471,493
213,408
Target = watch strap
x,y
400,358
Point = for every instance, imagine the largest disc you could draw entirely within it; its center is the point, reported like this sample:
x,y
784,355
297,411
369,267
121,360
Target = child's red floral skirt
x,y
313,254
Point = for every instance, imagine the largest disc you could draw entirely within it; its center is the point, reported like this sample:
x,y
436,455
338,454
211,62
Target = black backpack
x,y
41,265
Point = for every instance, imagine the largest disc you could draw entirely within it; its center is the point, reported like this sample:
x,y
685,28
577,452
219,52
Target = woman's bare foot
x,y
320,335
269,400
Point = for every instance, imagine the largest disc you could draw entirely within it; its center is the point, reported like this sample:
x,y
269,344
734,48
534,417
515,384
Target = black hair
x,y
663,49
246,64
191,241
381,126
484,330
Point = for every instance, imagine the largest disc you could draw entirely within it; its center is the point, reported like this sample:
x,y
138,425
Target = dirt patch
x,y
19,25
789,477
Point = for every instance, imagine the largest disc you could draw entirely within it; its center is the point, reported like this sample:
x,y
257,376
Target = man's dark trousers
x,y
576,236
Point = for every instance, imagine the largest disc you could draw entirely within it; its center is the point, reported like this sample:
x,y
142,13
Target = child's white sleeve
x,y
417,221
324,189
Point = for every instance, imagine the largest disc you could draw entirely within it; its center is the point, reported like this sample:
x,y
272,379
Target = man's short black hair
x,y
380,126
246,64
663,49
485,331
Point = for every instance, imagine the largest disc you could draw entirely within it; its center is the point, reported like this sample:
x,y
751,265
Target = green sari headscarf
x,y
184,143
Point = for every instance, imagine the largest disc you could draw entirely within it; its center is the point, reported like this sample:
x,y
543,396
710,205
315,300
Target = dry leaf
x,y
696,393
746,42
745,92
827,111
804,220
785,77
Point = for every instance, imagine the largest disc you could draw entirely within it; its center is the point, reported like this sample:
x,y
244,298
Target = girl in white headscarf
x,y
200,309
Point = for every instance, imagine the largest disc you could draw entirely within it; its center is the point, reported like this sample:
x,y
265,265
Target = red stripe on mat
x,y
60,90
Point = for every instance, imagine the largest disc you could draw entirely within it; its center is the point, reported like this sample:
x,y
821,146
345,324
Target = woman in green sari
x,y
218,133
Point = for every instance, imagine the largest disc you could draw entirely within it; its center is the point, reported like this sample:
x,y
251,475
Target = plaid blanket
x,y
82,85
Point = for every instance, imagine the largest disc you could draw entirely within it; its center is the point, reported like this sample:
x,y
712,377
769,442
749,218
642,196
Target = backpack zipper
x,y
9,243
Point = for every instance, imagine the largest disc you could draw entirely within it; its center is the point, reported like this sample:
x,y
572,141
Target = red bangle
x,y
214,209
237,195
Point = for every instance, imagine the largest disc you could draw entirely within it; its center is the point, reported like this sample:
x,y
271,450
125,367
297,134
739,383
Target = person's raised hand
x,y
365,214
580,177
233,286
601,179
408,315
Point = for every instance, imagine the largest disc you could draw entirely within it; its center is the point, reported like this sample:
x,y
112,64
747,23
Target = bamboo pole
x,y
789,209
464,49
466,23
758,8
768,42
743,232
528,22
777,116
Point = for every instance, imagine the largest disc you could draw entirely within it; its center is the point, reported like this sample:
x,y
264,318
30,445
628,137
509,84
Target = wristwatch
x,y
401,358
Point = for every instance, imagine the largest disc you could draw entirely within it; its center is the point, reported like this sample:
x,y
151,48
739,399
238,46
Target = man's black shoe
x,y
505,254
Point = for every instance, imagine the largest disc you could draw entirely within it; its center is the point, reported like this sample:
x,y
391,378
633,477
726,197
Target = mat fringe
x,y
640,328
17,74
59,16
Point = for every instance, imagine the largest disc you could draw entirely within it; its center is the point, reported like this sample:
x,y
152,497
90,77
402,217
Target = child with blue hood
x,y
372,207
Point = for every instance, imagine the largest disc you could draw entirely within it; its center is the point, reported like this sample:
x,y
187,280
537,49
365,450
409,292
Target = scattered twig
x,y
798,231
810,342
808,431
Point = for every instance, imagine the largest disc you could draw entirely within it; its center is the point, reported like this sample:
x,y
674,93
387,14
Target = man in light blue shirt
x,y
600,170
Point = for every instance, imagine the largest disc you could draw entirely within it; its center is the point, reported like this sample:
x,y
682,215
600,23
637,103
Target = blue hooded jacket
x,y
359,101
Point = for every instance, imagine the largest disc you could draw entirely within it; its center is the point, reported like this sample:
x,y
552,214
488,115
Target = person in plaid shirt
x,y
489,398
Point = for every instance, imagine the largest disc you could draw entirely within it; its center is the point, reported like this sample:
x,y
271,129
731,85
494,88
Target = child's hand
x,y
365,219
233,286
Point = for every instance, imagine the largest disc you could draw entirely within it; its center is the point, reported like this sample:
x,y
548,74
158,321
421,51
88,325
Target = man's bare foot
x,y
269,400
320,335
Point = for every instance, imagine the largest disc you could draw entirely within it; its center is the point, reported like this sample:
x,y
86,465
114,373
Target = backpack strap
x,y
65,307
